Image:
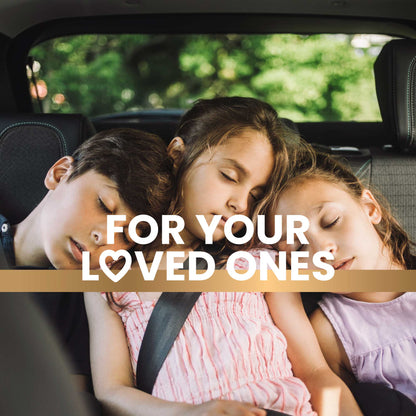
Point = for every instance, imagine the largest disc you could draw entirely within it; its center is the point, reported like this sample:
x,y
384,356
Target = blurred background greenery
x,y
306,78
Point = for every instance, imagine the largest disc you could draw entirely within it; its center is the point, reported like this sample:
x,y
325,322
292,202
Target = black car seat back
x,y
163,123
393,170
29,145
395,73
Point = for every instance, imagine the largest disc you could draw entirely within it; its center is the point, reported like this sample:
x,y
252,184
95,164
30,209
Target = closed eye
x,y
103,206
229,178
332,223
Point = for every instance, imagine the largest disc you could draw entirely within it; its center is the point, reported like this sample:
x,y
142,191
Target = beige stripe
x,y
71,281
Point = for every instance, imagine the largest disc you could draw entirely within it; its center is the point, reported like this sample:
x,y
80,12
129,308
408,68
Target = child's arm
x,y
329,395
113,376
331,347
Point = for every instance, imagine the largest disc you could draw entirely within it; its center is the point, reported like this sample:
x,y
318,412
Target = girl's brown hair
x,y
210,123
309,164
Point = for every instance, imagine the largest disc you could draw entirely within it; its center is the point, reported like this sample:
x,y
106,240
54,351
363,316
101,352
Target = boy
x,y
119,171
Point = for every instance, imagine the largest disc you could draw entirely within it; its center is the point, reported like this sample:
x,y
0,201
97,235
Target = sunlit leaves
x,y
314,78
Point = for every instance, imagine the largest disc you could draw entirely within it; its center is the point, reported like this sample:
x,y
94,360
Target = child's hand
x,y
224,407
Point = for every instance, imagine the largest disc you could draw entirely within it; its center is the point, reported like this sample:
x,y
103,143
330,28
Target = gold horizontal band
x,y
133,281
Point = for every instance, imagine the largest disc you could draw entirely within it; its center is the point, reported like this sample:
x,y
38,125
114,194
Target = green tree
x,y
312,78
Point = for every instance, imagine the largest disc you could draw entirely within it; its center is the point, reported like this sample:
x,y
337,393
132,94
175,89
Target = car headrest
x,y
29,145
395,74
162,122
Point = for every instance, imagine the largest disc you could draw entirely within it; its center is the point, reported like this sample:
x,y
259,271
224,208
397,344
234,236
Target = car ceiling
x,y
18,15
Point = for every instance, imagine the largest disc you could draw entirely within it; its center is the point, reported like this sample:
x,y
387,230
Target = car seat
x,y
29,145
162,122
393,170
35,375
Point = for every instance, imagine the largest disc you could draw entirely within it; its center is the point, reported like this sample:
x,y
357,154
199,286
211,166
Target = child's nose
x,y
99,237
327,245
238,203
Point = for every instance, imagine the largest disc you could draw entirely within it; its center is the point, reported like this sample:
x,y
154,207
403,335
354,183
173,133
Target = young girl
x,y
229,357
365,337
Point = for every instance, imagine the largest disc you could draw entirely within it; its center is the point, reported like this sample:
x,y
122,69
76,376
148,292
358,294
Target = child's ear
x,y
371,206
176,150
58,172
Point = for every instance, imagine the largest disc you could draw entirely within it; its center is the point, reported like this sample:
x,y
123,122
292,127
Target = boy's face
x,y
74,219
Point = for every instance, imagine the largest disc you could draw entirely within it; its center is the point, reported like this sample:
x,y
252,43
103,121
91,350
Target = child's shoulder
x,y
122,302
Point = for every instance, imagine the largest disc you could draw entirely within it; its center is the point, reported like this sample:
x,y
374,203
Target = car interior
x,y
383,153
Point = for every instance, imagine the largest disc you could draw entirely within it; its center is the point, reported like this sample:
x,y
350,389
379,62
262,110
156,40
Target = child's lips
x,y
77,249
344,264
223,220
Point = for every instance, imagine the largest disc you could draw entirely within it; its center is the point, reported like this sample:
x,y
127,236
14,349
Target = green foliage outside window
x,y
306,78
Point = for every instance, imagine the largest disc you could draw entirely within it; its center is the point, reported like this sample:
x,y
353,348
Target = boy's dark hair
x,y
136,161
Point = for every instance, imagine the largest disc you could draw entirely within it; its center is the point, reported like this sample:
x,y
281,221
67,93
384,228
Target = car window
x,y
307,78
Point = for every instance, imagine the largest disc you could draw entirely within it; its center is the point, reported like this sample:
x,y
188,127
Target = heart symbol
x,y
115,255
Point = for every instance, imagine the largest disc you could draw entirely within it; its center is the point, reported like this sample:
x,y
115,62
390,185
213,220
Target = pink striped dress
x,y
228,348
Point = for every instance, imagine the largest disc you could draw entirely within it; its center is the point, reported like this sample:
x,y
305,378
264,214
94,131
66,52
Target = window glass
x,y
306,78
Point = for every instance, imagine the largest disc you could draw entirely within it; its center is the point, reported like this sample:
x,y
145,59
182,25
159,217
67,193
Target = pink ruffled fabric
x,y
229,348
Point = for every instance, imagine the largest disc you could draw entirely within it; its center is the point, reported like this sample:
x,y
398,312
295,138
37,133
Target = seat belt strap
x,y
3,261
165,323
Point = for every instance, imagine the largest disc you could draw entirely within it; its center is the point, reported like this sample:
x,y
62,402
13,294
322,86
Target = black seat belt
x,y
165,323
